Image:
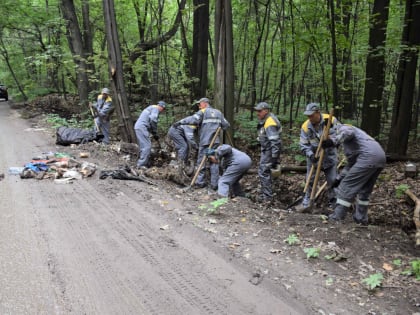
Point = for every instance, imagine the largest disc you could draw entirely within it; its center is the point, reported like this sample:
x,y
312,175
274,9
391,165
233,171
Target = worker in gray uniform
x,y
365,161
103,109
269,132
147,125
310,136
208,119
234,164
183,138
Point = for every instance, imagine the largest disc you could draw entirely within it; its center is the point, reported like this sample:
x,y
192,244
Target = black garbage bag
x,y
68,135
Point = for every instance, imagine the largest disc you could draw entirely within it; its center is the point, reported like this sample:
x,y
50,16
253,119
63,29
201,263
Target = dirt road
x,y
96,248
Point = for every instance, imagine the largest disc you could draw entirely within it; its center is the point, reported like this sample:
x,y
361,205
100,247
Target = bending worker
x,y
208,119
269,131
365,161
147,124
183,139
310,136
234,164
103,109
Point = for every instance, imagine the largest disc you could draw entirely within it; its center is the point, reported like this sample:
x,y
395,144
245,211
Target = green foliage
x,y
56,121
400,190
214,205
414,269
246,128
311,252
397,262
374,281
292,239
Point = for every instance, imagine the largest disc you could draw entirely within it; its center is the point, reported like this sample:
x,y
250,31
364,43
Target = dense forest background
x,y
359,57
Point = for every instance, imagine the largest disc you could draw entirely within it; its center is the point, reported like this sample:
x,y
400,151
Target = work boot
x,y
200,185
361,214
339,214
332,203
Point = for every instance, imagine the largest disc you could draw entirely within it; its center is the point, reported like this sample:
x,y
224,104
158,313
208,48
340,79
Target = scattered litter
x,y
84,154
63,180
72,174
275,251
164,227
14,170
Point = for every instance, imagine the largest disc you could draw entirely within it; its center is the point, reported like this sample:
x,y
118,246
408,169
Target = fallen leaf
x,y
387,267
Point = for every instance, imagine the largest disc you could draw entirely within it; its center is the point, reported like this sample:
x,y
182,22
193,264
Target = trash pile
x,y
61,167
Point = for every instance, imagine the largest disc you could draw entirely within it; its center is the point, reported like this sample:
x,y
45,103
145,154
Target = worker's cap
x,y
203,99
311,108
162,104
262,105
106,91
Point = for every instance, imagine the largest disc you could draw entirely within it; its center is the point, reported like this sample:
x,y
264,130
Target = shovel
x,y
320,153
203,161
93,115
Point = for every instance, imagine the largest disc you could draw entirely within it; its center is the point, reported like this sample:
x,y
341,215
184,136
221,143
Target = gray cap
x,y
203,99
311,108
162,104
106,91
262,105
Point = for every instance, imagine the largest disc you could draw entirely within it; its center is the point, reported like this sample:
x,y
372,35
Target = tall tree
x,y
116,73
404,94
375,69
224,74
80,43
200,51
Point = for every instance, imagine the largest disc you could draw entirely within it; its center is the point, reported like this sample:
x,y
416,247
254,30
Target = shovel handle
x,y
203,160
93,115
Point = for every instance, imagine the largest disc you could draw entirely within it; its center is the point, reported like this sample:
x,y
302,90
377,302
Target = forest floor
x,y
301,252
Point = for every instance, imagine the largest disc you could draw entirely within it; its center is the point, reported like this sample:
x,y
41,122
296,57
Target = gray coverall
x,y
145,125
208,119
309,141
103,108
366,159
269,131
183,139
234,164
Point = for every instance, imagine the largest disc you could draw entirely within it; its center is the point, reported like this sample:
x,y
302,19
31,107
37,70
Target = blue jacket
x,y
148,118
208,119
360,148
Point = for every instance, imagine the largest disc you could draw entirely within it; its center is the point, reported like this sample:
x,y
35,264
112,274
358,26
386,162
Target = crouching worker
x,y
365,160
234,164
183,139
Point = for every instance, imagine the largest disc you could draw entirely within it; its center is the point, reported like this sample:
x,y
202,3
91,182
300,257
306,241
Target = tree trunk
x,y
224,74
116,73
79,47
200,50
375,69
404,94
334,58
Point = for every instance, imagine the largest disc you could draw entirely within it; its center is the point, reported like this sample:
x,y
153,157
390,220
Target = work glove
x,y
210,152
327,143
274,162
313,158
176,124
